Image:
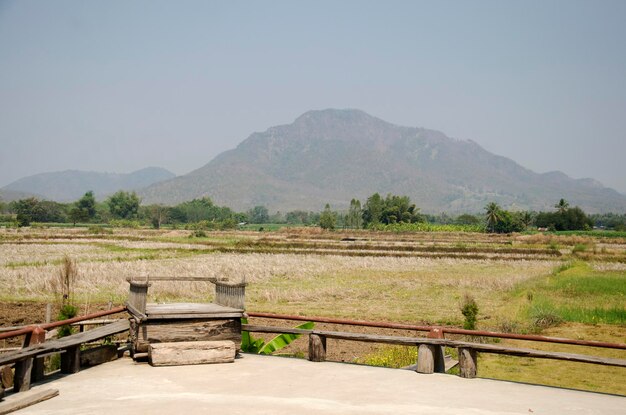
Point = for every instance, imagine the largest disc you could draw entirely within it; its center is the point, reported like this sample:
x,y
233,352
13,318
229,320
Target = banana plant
x,y
251,345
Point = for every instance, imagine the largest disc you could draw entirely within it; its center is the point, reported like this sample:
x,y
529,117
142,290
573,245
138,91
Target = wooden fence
x,y
430,357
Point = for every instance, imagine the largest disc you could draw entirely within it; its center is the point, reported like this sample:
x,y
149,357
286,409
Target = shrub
x,y
469,309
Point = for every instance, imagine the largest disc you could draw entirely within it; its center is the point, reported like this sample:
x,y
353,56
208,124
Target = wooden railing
x,y
29,359
430,358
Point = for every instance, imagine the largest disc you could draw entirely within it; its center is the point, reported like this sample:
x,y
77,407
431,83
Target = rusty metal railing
x,y
26,330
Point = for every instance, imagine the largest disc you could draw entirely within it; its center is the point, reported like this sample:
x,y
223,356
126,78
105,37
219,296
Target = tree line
x,y
377,212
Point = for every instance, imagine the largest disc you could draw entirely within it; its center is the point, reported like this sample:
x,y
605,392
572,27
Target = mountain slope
x,y
69,185
331,156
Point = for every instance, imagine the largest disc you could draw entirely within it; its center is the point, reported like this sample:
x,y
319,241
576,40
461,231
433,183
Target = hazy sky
x,y
121,85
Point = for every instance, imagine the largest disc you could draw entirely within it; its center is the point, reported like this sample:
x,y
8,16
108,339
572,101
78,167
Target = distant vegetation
x,y
391,213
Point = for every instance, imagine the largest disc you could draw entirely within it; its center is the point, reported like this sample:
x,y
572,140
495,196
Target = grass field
x,y
568,285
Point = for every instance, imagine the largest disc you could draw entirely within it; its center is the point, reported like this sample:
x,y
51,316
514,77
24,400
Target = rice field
x,y
517,280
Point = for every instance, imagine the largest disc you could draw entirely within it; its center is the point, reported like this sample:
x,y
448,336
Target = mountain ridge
x,y
70,185
331,156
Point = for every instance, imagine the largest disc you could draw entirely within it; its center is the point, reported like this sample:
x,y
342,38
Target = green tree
x,y
354,218
373,210
27,210
123,205
84,209
258,214
328,219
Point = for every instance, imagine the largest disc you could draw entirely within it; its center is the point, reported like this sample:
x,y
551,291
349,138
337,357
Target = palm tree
x,y
493,215
562,206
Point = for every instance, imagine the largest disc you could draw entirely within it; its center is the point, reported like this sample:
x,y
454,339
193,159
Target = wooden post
x,y
38,337
467,362
317,348
430,359
48,313
70,360
439,351
24,368
138,294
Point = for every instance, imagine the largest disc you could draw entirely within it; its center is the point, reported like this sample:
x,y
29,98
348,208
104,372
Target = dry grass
x,y
320,279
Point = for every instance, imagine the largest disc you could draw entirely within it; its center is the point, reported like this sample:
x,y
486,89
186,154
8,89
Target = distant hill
x,y
331,156
69,185
10,195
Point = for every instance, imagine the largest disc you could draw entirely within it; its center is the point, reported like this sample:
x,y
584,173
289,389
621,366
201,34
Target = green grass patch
x,y
575,292
596,233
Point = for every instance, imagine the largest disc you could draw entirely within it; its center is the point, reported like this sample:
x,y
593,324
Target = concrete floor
x,y
273,385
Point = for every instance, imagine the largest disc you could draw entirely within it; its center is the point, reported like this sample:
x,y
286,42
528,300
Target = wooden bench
x,y
430,356
183,322
69,346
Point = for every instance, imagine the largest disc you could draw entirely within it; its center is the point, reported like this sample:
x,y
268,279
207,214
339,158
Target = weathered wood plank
x,y
189,316
65,342
373,338
136,313
523,352
267,329
183,308
152,332
26,399
409,341
317,348
192,353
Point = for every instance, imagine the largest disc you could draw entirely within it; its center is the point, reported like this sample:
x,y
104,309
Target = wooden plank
x,y
183,278
187,330
373,338
267,329
410,341
523,352
26,399
194,316
136,313
183,308
65,342
192,353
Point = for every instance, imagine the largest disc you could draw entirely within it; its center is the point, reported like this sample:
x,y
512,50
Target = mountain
x,y
331,156
10,195
70,185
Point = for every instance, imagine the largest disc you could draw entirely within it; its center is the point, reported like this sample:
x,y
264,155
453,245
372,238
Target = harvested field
x,y
521,283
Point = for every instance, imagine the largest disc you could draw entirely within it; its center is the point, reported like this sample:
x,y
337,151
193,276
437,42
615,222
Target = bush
x,y
67,311
469,309
124,223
